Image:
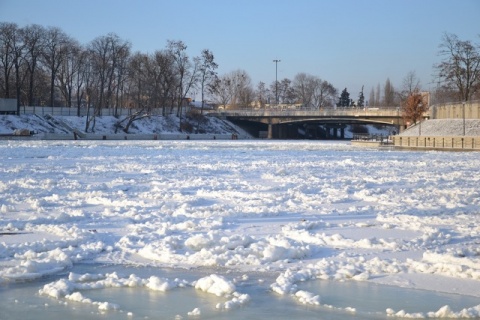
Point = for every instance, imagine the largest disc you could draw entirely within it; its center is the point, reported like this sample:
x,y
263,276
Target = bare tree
x,y
371,99
262,94
68,71
34,38
18,54
233,90
460,67
411,83
324,94
82,77
242,88
286,93
207,72
222,90
313,92
186,71
388,94
12,58
108,57
304,86
166,79
8,33
140,69
121,56
152,83
55,50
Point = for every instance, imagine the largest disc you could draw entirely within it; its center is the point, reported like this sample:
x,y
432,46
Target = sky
x,y
349,43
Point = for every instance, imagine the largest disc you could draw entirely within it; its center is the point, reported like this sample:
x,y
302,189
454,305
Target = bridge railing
x,y
355,112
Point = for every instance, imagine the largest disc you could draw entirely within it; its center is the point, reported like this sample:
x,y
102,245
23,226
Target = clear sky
x,y
348,43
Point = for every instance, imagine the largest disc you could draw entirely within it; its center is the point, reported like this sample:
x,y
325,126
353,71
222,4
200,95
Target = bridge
x,y
328,123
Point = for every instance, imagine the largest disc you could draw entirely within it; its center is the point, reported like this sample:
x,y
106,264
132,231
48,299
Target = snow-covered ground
x,y
107,125
302,210
444,127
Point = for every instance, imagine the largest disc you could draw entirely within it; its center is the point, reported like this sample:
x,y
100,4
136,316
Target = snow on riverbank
x,y
107,125
444,127
302,210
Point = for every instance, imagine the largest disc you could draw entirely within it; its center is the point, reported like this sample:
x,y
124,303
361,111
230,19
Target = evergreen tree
x,y
361,99
344,100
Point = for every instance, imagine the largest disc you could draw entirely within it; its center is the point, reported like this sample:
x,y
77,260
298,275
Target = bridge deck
x,y
338,112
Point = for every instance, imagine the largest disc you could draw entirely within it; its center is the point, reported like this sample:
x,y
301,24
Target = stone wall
x,y
455,110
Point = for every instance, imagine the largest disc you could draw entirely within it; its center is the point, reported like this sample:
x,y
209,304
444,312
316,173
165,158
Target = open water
x,y
22,300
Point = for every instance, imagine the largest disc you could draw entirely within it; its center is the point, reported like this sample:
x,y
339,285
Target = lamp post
x,y
420,123
276,81
463,112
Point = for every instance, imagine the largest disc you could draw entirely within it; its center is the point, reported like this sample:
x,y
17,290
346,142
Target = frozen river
x,y
235,230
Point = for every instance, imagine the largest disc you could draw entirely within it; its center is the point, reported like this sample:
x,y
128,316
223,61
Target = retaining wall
x,y
437,142
160,136
456,110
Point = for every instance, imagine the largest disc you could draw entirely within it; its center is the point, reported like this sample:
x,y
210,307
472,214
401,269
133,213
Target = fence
x,y
371,140
64,111
8,106
438,142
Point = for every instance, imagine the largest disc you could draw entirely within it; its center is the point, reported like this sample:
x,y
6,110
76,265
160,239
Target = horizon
x,y
250,36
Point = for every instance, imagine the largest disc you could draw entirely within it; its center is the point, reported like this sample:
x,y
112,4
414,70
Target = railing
x,y
64,111
380,138
352,112
271,112
438,142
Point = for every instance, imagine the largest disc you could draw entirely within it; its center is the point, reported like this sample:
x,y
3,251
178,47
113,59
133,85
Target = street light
x,y
420,123
276,81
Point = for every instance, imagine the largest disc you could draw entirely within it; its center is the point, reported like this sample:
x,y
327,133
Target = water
x,y
371,298
233,168
22,301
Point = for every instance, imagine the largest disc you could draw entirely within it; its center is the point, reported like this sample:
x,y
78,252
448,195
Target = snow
x,y
302,210
42,124
444,127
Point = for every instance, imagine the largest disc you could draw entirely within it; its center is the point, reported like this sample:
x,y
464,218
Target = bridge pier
x,y
335,131
270,130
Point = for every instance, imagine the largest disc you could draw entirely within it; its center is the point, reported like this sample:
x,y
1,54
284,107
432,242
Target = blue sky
x,y
349,43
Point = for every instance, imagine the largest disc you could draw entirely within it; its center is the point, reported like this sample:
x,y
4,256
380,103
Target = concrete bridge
x,y
286,123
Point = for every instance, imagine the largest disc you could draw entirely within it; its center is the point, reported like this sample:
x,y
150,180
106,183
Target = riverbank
x,y
109,128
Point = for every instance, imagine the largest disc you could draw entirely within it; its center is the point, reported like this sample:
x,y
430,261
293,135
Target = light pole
x,y
421,118
276,81
463,111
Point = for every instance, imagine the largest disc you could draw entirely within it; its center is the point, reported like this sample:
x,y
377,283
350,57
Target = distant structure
x,y
465,116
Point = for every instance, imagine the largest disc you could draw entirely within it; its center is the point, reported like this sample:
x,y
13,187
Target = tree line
x,y
456,79
44,66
